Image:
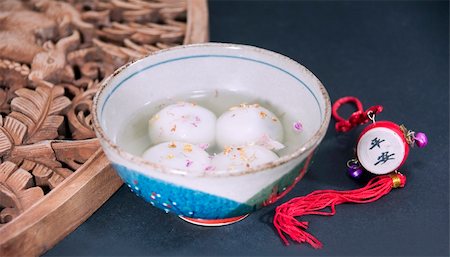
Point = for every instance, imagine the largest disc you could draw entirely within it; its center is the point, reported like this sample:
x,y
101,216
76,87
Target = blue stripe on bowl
x,y
209,56
180,200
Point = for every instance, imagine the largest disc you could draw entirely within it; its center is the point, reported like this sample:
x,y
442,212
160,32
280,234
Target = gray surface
x,y
389,53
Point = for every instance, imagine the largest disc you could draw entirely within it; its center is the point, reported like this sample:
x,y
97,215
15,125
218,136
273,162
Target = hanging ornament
x,y
382,146
381,149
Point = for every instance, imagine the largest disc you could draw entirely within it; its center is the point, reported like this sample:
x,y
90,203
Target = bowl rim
x,y
148,165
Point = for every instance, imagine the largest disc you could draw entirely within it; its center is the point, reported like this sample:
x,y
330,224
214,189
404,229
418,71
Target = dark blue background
x,y
393,53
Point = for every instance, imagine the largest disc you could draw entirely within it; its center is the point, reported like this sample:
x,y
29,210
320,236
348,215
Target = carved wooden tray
x,y
53,54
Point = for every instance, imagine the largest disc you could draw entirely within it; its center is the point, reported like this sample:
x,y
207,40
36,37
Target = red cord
x,y
345,100
312,204
359,117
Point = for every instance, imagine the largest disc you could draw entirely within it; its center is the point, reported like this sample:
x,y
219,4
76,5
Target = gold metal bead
x,y
396,181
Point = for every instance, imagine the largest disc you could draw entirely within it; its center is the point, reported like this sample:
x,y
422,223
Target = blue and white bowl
x,y
221,197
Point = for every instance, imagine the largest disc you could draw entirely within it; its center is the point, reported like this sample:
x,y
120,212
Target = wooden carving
x,y
53,54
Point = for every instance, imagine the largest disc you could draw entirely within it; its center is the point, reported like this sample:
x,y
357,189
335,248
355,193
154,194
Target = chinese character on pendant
x,y
384,157
375,142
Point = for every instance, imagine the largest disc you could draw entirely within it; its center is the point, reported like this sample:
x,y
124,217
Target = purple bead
x,y
420,139
355,171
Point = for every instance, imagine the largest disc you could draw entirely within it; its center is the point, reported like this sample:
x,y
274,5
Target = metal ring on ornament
x,y
354,162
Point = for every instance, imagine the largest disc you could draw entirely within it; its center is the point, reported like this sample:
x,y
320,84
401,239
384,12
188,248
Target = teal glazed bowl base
x,y
202,208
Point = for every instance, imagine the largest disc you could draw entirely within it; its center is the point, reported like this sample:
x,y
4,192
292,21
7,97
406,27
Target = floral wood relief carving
x,y
53,55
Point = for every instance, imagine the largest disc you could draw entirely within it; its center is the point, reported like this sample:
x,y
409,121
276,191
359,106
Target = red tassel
x,y
286,223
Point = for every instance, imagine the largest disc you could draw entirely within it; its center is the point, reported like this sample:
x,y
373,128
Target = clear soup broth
x,y
133,136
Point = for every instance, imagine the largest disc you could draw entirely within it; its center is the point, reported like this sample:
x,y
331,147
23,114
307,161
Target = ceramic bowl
x,y
221,197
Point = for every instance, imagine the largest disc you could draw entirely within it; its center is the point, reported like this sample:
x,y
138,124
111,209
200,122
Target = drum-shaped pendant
x,y
382,147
